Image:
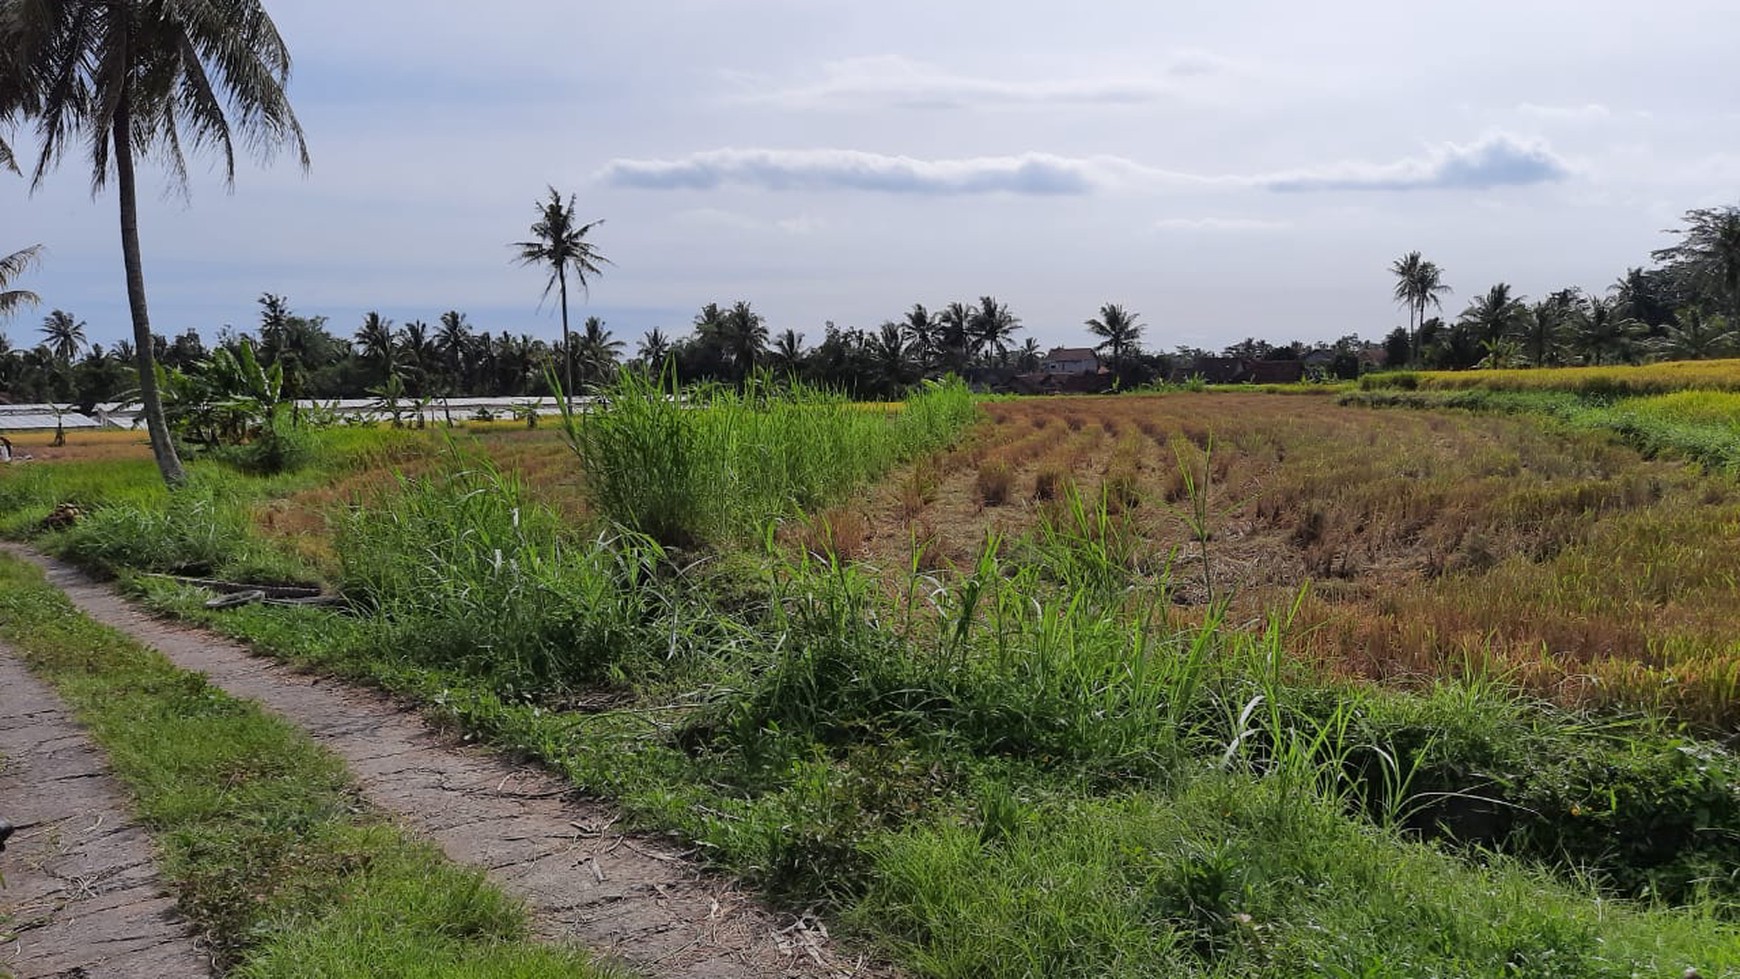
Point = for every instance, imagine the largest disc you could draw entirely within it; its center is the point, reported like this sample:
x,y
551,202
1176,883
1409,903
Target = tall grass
x,y
716,465
469,574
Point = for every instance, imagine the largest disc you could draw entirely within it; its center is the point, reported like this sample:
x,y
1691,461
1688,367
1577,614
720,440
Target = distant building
x,y
1071,360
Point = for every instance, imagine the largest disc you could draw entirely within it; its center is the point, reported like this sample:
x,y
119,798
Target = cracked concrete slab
x,y
82,895
637,899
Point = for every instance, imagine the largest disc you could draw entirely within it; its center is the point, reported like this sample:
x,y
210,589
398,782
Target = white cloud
x,y
903,82
801,224
833,169
1590,112
1215,225
1495,160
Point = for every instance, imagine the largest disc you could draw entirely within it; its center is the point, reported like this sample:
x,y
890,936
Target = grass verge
x,y
268,849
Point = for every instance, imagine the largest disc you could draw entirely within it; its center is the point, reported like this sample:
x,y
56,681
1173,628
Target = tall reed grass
x,y
468,574
715,465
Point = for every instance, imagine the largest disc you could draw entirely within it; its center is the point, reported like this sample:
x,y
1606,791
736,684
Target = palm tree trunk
x,y
150,400
1416,320
567,342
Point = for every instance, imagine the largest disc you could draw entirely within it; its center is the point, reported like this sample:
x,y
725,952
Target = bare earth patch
x,y
641,900
82,896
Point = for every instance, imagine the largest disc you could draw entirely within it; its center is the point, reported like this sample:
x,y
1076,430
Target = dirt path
x,y
637,899
82,896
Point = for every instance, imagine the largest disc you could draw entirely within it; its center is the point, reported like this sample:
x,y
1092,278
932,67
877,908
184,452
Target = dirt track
x,y
82,895
637,899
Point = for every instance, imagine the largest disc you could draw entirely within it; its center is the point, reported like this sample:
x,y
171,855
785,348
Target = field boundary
x,y
638,899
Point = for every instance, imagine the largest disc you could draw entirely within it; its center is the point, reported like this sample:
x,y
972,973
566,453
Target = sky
x,y
1224,169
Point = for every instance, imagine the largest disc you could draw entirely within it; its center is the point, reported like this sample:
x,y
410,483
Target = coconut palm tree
x,y
654,349
787,353
559,243
596,350
956,342
1029,357
1696,336
146,78
1544,328
64,335
1708,255
1419,284
1496,316
921,334
452,341
11,267
895,368
375,341
994,327
745,334
1120,330
1603,330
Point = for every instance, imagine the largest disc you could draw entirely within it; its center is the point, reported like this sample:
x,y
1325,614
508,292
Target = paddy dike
x,y
640,900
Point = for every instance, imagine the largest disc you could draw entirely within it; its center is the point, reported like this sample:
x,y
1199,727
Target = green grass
x,y
718,465
263,840
990,785
1697,426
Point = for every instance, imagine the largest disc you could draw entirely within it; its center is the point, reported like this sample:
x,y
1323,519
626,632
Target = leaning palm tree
x,y
64,335
146,78
559,244
11,267
1119,329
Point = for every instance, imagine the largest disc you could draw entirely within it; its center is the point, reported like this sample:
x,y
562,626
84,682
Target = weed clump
x,y
994,483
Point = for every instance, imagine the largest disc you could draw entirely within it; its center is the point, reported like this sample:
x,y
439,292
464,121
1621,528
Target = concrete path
x,y
82,897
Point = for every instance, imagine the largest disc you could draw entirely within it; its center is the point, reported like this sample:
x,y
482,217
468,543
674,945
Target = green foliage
x,y
280,446
1688,425
466,573
718,465
1201,882
201,529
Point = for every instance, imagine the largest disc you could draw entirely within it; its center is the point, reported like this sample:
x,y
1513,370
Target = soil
x,y
641,900
82,897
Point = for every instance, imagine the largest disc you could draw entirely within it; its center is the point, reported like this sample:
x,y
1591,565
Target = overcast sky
x,y
1227,169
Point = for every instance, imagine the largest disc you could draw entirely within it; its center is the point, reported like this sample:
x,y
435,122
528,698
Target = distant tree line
x,y
1685,307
